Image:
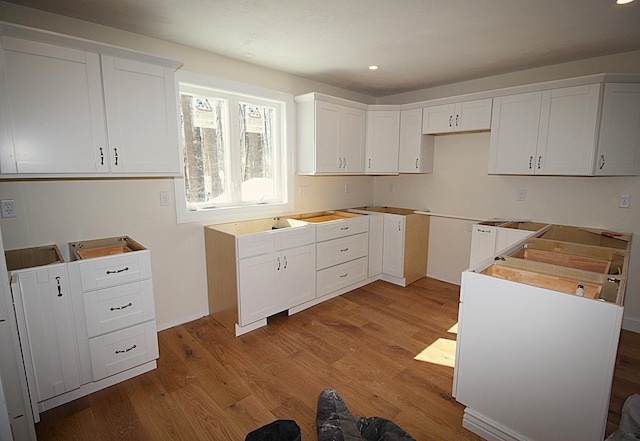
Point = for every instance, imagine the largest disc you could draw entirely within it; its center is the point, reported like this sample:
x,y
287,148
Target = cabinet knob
x,y
601,161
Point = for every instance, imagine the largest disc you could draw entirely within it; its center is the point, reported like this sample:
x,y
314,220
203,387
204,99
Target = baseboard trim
x,y
487,428
181,320
631,324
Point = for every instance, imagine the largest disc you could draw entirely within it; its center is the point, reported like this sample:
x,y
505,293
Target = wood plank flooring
x,y
210,385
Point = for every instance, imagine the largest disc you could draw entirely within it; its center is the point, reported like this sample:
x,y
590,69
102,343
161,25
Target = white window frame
x,y
287,163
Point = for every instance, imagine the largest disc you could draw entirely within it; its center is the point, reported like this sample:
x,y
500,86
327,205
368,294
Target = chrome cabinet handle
x,y
344,228
601,161
101,156
285,262
115,151
369,162
125,350
278,268
417,159
117,308
126,268
539,161
399,225
345,162
59,286
479,230
450,120
530,162
457,120
344,249
344,275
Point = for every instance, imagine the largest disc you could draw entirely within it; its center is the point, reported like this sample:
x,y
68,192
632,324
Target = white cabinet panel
x,y
459,117
415,150
140,102
567,131
619,143
114,270
382,143
514,133
393,253
259,287
333,252
54,121
46,324
352,139
117,307
483,243
298,275
121,350
341,276
376,243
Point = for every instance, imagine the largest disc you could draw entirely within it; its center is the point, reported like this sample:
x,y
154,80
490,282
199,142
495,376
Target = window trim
x,y
287,152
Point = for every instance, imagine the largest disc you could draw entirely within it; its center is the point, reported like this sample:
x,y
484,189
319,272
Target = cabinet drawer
x,y
341,228
255,244
340,276
295,237
122,350
334,252
109,309
114,270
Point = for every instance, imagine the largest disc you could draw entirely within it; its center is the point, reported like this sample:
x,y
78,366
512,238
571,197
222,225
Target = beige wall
x,y
63,211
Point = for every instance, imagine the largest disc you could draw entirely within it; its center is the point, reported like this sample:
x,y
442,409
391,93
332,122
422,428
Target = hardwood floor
x,y
210,385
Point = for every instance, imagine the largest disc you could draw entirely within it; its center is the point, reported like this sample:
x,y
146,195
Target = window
x,y
236,141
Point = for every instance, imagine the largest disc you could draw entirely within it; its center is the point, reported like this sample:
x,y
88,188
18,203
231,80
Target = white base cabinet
x,y
535,360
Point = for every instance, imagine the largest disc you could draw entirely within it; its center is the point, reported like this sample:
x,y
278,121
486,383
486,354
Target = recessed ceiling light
x,y
623,2
374,67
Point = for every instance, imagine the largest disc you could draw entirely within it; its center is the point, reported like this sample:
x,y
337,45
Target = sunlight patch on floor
x,y
442,352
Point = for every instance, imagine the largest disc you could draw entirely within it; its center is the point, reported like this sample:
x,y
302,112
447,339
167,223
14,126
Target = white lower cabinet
x,y
489,238
42,300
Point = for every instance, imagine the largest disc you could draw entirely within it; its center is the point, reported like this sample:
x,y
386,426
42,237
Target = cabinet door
x,y
259,287
505,237
514,134
141,109
298,275
48,339
473,115
393,252
415,150
376,249
438,119
328,158
483,243
52,108
567,132
352,139
619,144
383,138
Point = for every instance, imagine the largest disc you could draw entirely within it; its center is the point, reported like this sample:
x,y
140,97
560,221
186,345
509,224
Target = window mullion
x,y
235,166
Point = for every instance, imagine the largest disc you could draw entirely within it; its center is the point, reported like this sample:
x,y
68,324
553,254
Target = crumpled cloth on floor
x,y
335,423
629,429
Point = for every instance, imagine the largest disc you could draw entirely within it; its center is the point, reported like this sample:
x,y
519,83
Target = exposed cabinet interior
x,y
563,257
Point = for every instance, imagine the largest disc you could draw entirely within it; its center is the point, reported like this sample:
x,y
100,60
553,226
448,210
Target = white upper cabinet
x,y
567,131
140,102
459,117
67,109
330,136
52,109
583,130
416,150
619,143
551,132
382,142
514,133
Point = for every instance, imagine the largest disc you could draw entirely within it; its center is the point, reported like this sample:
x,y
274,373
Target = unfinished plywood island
x,y
538,335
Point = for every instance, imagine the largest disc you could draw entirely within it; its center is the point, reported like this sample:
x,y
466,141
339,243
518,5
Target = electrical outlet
x,y
8,207
165,199
522,195
303,191
392,188
623,202
347,188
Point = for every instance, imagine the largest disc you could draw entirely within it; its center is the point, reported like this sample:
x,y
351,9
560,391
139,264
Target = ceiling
x,y
417,43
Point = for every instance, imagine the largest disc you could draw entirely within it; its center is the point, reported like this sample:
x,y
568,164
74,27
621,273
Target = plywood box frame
x,y
32,257
89,249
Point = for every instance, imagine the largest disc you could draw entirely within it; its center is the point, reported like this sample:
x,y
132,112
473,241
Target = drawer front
x,y
108,271
334,252
122,350
341,276
118,307
295,237
341,228
255,244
